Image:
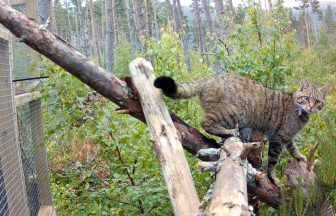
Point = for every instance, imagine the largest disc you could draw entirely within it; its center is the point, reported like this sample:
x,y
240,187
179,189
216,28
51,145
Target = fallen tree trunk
x,y
111,87
165,141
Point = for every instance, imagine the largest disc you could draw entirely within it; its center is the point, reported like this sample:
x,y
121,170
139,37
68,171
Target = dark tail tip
x,y
167,84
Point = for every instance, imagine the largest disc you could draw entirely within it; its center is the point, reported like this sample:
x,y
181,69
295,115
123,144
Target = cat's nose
x,y
311,104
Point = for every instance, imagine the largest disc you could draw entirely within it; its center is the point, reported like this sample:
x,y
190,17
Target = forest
x,y
101,159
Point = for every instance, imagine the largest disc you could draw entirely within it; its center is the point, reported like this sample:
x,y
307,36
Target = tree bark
x,y
270,5
220,18
184,34
149,19
130,25
69,38
139,22
206,5
94,32
176,17
165,141
115,22
199,26
305,13
110,37
156,24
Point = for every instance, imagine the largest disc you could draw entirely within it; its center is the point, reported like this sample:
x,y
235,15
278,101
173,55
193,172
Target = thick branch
x,y
116,90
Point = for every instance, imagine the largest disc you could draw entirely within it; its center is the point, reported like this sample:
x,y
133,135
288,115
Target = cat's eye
x,y
318,102
305,98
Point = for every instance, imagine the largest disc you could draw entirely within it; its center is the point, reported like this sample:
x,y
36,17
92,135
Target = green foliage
x,y
261,47
101,163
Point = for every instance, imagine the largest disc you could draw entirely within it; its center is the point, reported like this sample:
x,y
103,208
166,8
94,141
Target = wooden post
x,y
165,141
40,153
230,192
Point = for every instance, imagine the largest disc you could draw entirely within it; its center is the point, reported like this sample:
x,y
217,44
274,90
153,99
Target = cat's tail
x,y
177,91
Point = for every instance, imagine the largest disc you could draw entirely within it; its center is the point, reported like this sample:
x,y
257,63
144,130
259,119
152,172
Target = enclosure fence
x,y
24,178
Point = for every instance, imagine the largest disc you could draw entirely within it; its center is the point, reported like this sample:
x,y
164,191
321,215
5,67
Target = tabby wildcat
x,y
235,104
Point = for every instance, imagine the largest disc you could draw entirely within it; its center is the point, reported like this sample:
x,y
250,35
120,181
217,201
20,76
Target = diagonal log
x,y
165,141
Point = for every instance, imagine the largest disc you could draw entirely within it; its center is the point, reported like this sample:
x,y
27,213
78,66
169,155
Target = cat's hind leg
x,y
274,151
215,125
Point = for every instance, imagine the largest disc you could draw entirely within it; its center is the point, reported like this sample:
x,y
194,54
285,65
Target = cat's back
x,y
245,100
232,88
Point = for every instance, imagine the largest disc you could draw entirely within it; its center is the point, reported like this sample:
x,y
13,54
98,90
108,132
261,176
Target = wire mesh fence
x,y
24,178
12,182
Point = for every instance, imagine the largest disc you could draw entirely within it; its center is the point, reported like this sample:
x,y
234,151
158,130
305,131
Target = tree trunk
x,y
139,22
231,5
156,24
94,32
270,5
109,37
165,141
199,26
69,38
176,17
200,32
86,32
115,22
206,5
78,42
306,29
149,19
220,17
81,22
184,35
130,25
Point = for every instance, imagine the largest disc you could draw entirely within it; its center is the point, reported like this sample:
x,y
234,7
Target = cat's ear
x,y
325,90
303,84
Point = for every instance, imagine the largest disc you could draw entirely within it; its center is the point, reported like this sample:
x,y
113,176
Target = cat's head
x,y
310,98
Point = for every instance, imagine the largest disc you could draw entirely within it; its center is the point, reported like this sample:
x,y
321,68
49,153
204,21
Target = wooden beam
x,y
23,99
165,140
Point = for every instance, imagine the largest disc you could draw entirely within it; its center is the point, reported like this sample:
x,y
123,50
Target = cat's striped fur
x,y
233,104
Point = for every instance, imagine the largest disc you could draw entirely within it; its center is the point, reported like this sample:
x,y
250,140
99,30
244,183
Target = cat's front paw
x,y
273,178
301,157
235,132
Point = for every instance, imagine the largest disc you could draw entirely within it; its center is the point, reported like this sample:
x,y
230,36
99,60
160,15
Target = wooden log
x,y
166,143
230,192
